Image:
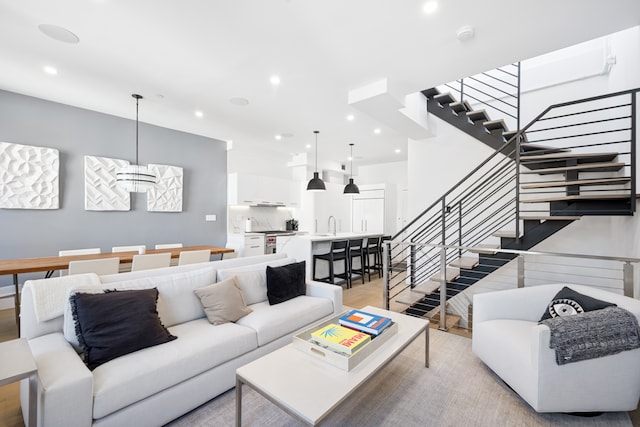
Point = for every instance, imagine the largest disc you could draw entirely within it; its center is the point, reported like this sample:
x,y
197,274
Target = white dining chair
x,y
101,266
194,257
88,251
134,248
66,252
168,245
149,261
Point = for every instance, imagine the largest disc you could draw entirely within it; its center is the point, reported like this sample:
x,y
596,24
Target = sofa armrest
x,y
65,384
326,290
518,304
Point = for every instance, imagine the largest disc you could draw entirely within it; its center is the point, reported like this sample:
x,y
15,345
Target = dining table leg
x,y
16,300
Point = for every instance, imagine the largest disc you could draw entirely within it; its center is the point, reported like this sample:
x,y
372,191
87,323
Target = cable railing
x,y
559,162
500,269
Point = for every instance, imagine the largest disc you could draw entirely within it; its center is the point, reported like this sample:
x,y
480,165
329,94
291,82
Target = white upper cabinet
x,y
255,190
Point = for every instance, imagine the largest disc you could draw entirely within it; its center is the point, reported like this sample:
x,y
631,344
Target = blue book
x,y
365,322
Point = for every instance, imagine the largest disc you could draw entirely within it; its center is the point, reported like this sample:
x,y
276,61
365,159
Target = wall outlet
x,y
212,217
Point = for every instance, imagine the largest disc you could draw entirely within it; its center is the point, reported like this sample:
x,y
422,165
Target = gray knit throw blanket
x,y
593,334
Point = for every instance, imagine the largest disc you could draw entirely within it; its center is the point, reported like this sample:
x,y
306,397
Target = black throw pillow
x,y
568,302
115,323
286,282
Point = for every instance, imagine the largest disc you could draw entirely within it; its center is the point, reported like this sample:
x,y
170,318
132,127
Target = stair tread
x,y
451,274
598,181
467,262
485,248
578,197
596,167
460,106
504,233
431,92
444,98
492,125
568,155
527,148
550,217
478,115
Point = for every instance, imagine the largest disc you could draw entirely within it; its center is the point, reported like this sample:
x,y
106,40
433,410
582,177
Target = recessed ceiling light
x,y
199,114
50,70
307,146
397,150
430,7
275,80
350,117
377,131
58,33
239,101
278,137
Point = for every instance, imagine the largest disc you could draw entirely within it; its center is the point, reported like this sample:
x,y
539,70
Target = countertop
x,y
320,237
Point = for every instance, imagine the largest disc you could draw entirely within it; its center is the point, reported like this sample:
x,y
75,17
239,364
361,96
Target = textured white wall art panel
x,y
29,177
101,191
166,196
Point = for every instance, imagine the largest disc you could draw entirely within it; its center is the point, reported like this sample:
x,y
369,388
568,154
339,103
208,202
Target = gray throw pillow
x,y
223,301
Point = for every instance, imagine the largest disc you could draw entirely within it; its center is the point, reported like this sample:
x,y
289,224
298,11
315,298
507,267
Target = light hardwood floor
x,y
357,297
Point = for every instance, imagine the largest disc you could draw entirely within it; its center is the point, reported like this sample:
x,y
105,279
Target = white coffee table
x,y
16,363
308,388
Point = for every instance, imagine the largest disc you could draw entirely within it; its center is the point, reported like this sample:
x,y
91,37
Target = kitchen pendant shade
x,y
351,188
315,183
136,178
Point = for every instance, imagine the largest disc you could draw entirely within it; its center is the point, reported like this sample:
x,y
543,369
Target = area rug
x,y
456,390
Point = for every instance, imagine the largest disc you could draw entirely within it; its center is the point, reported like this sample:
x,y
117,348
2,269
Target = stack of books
x,y
365,322
340,339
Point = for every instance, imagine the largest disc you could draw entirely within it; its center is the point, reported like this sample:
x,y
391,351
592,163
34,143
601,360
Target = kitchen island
x,y
302,247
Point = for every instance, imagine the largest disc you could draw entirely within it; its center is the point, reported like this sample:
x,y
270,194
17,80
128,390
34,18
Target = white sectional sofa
x,y
155,385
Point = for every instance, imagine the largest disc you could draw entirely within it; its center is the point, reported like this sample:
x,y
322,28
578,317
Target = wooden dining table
x,y
51,264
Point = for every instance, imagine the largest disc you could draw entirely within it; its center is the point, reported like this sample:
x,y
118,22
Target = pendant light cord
x,y
316,132
138,98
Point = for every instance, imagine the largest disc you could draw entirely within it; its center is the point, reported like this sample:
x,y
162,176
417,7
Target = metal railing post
x,y
521,271
385,274
442,325
412,266
634,135
627,279
518,146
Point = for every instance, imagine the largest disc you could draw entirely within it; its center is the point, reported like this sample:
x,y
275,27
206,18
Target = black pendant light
x,y
316,184
351,187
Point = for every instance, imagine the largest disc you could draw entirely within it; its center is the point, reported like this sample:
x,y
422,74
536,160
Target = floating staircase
x,y
559,183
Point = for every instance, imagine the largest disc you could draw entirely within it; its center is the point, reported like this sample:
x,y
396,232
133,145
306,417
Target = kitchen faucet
x,y
334,224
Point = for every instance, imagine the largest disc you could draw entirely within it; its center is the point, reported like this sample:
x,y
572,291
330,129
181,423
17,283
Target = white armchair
x,y
508,339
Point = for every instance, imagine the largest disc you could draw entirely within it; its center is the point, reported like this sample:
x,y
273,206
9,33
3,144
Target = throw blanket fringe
x,y
593,334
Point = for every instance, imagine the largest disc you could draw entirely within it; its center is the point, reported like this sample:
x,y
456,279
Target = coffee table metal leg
x,y
426,347
33,400
238,401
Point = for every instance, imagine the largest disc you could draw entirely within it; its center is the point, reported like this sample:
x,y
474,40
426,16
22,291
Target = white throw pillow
x,y
252,279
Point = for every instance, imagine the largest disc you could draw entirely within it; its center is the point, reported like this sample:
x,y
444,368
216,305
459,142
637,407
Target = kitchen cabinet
x,y
253,244
368,212
331,202
255,190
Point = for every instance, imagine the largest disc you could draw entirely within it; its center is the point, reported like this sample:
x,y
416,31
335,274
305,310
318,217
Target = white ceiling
x,y
188,55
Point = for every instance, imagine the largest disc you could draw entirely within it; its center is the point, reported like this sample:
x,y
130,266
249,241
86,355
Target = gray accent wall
x,y
77,132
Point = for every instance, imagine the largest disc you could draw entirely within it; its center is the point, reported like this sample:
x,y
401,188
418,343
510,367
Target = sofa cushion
x,y
252,279
274,321
200,346
567,302
223,302
116,323
286,282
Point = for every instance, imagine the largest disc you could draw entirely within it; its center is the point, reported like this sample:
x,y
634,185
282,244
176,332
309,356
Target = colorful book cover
x,y
341,339
366,322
